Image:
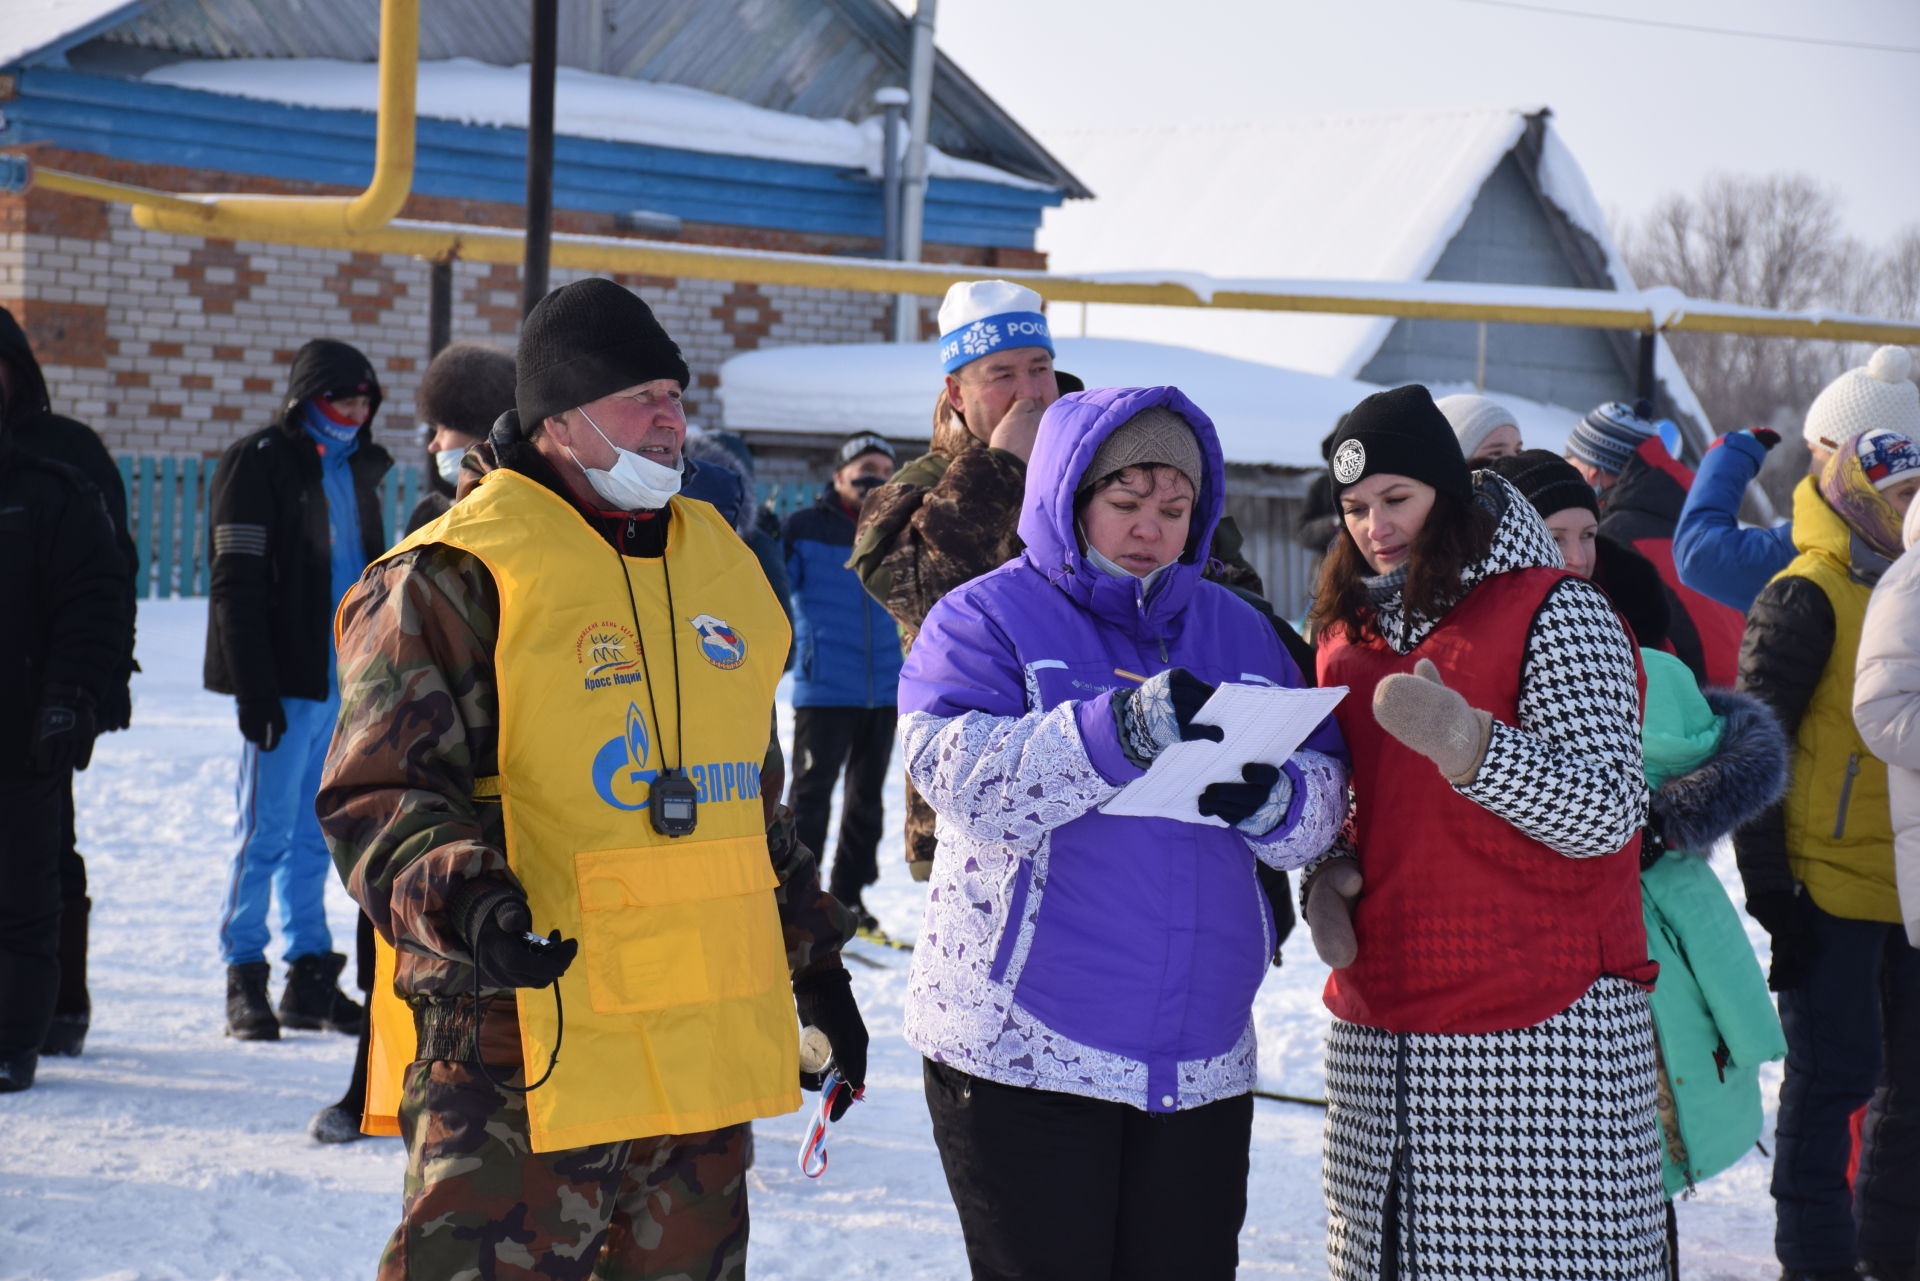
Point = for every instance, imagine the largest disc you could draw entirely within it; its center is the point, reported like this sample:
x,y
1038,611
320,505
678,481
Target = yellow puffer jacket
x,y
1839,828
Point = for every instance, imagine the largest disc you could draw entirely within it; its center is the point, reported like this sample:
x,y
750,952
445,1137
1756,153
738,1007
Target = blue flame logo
x,y
625,755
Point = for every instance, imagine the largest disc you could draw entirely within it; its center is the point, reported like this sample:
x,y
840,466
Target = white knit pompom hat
x,y
1878,394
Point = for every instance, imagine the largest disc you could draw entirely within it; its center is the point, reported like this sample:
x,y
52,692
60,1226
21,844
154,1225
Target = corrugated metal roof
x,y
819,58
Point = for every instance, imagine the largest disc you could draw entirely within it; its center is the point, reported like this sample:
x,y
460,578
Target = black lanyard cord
x,y
559,1031
673,645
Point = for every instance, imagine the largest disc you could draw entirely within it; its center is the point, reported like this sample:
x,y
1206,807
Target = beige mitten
x,y
1434,721
1330,894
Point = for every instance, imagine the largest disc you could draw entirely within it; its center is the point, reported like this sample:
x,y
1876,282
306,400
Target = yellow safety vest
x,y
1839,819
678,1012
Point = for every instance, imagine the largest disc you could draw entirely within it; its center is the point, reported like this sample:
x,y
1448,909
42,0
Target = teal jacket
x,y
1712,760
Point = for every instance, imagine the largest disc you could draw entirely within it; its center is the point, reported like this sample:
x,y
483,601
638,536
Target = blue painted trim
x,y
161,124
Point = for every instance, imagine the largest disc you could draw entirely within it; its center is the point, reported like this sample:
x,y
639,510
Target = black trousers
x,y
1054,1187
32,829
824,740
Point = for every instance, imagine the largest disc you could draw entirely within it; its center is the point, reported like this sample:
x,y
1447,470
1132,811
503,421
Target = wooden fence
x,y
167,499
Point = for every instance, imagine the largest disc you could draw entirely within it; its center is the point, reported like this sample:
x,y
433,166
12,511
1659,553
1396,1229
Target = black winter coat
x,y
68,594
30,425
270,597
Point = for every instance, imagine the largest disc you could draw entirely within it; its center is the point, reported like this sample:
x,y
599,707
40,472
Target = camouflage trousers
x,y
481,1205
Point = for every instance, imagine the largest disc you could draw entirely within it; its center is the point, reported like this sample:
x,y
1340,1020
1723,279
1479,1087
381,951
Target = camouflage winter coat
x,y
419,721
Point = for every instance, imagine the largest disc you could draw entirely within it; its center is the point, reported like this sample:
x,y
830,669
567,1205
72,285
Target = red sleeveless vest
x,y
1465,923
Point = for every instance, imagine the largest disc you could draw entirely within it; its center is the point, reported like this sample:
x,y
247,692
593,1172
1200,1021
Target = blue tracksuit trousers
x,y
281,850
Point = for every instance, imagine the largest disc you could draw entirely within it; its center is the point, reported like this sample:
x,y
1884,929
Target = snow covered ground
x,y
169,1152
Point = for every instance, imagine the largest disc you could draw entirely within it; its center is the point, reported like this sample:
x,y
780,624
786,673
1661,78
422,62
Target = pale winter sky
x,y
1646,110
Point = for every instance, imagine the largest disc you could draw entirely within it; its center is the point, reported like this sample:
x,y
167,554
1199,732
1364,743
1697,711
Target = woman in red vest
x,y
1490,1070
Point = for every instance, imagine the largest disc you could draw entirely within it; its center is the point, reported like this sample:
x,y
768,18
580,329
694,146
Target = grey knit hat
x,y
1154,435
1475,418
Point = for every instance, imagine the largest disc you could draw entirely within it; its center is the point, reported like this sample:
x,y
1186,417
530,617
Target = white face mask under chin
x,y
633,483
1102,562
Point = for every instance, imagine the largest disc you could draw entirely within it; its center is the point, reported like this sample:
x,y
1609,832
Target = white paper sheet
x,y
1261,722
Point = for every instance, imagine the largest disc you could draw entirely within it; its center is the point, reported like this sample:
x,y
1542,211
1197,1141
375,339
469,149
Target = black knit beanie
x,y
587,340
1546,480
466,387
1401,433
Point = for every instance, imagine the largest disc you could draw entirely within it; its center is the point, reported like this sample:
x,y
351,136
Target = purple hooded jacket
x,y
1066,949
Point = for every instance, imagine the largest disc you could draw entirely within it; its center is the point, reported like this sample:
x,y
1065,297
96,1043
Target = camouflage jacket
x,y
419,721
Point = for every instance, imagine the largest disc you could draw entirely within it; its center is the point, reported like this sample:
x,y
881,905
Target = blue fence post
x,y
166,559
190,522
142,525
203,545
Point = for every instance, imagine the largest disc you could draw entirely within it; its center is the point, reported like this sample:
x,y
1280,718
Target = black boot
x,y
249,1016
313,998
16,1072
73,1009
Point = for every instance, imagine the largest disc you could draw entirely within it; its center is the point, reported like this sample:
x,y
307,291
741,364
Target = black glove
x,y
1159,713
263,722
1787,917
63,729
825,1001
1189,694
116,705
1767,436
505,953
1238,802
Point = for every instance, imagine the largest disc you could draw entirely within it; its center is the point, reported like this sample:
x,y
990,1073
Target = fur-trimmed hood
x,y
1743,770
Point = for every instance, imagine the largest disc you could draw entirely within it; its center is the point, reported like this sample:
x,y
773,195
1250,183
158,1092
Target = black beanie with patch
x,y
1400,432
587,340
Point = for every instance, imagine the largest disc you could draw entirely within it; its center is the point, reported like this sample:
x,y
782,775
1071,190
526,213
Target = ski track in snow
x,y
169,1153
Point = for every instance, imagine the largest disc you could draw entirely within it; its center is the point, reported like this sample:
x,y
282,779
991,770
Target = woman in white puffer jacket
x,y
1886,707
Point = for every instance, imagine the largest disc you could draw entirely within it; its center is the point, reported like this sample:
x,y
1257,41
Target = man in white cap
x,y
950,515
1719,558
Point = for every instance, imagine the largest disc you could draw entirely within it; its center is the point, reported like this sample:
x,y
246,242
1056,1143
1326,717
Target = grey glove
x,y
1330,894
1160,712
1434,721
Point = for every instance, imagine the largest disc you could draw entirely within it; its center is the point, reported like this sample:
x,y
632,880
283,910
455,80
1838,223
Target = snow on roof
x,y
586,105
1264,414
1350,197
31,27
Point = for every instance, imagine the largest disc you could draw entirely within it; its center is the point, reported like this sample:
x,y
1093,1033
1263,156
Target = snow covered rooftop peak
x,y
1351,196
586,105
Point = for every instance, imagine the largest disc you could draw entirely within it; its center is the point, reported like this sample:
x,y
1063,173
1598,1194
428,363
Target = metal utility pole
x,y
439,306
891,100
913,197
546,39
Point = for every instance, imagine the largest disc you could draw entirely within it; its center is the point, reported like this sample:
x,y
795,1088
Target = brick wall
x,y
180,344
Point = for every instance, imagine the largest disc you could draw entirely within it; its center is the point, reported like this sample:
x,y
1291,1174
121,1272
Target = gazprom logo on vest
x,y
621,777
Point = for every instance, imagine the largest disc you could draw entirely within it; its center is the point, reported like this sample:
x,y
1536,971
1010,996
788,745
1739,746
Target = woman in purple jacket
x,y
1084,983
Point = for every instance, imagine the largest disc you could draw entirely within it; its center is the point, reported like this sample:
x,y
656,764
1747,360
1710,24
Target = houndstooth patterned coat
x,y
1535,1152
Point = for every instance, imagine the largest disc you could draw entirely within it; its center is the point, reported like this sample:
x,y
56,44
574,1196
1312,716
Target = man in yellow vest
x,y
556,703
